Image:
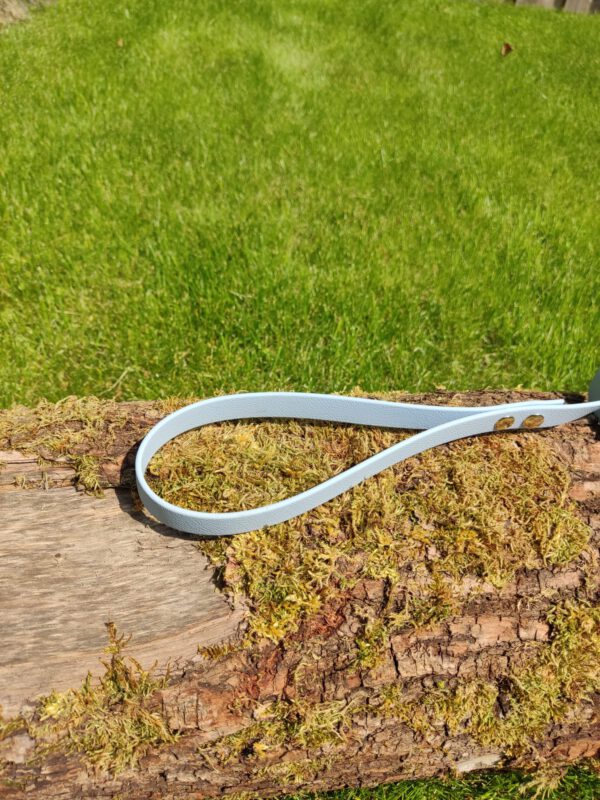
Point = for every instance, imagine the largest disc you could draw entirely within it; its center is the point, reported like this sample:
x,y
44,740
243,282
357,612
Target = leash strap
x,y
438,425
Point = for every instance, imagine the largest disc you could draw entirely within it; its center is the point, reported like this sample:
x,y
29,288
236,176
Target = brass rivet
x,y
533,421
504,423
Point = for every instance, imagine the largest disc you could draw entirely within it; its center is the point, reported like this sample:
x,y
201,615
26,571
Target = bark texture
x,y
303,712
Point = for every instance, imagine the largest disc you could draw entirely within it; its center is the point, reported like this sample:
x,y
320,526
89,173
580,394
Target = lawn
x,y
304,194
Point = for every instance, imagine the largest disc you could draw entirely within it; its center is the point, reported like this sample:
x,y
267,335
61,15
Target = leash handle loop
x,y
437,425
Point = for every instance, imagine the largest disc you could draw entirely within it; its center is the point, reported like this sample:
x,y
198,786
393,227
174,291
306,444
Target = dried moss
x,y
64,428
436,529
371,642
482,507
107,722
73,429
283,724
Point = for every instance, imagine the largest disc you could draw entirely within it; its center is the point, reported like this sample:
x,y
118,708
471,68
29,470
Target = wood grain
x,y
70,562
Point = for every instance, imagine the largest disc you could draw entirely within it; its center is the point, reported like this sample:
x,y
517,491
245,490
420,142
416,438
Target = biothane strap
x,y
438,425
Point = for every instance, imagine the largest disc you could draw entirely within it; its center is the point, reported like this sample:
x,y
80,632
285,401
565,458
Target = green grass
x,y
303,194
578,784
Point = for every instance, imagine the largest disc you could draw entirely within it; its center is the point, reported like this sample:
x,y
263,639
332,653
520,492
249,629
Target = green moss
x,y
9,726
565,674
244,796
71,430
482,507
107,722
87,470
371,642
421,611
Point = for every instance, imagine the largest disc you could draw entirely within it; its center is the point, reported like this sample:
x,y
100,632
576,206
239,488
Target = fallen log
x,y
442,617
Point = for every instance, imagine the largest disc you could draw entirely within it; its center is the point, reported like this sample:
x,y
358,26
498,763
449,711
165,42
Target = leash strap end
x,y
437,425
594,392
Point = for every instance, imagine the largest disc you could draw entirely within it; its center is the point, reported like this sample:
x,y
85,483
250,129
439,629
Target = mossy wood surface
x,y
442,617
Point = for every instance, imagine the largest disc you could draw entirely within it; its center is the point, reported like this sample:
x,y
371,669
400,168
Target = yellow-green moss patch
x,y
552,686
298,771
87,469
9,726
479,508
107,722
283,723
432,531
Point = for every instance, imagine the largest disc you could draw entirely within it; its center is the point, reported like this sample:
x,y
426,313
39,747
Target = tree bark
x,y
72,561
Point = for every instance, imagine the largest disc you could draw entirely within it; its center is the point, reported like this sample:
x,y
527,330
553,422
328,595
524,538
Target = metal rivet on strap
x,y
504,423
533,421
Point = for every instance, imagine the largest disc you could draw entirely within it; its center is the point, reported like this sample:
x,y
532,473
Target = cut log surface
x,y
69,563
278,714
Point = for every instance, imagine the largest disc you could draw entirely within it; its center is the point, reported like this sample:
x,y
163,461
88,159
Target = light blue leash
x,y
439,424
